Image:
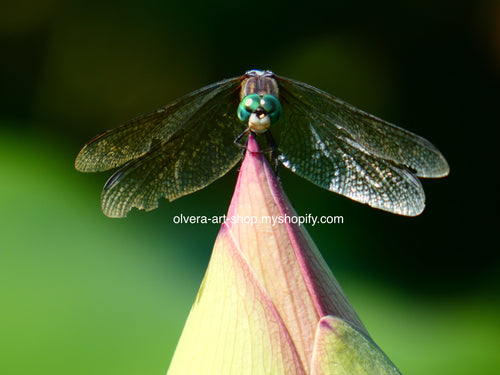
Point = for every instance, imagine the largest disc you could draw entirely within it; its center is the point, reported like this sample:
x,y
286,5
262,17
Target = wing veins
x,y
136,137
404,148
356,173
183,164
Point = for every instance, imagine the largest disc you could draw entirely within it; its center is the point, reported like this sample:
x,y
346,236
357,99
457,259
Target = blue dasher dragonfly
x,y
186,145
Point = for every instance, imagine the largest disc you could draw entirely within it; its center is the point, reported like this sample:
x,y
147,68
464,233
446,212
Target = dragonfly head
x,y
259,112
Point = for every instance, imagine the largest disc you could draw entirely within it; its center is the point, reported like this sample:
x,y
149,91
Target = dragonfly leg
x,y
237,142
273,150
238,139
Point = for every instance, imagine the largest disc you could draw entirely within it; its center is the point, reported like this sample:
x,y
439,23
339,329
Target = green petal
x,y
341,350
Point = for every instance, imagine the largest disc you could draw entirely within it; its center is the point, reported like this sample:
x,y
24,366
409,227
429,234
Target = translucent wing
x,y
347,151
169,153
136,137
377,137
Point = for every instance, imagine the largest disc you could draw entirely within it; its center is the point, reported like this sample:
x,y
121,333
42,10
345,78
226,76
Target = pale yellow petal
x,y
233,327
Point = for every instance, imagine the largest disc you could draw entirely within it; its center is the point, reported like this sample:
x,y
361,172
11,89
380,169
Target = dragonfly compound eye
x,y
247,106
272,106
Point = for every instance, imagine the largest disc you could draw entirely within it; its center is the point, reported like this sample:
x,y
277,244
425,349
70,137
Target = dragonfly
x,y
191,142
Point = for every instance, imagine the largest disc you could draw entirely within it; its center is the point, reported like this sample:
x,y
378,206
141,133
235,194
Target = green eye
x,y
252,102
247,106
272,106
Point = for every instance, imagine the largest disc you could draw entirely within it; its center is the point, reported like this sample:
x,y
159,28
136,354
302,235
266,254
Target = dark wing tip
x,y
442,168
86,160
82,162
101,155
435,163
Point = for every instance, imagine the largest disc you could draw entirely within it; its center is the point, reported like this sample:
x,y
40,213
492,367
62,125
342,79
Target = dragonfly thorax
x,y
259,82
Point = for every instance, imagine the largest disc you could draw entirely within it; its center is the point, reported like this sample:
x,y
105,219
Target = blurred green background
x,y
84,294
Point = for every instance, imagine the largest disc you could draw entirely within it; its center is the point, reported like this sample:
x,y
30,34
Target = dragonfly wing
x,y
322,154
189,150
173,169
377,137
136,137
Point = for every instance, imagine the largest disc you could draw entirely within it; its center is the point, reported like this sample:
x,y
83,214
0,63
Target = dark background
x,y
85,294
